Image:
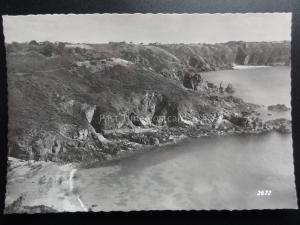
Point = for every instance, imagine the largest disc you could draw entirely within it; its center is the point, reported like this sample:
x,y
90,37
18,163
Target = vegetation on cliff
x,y
84,103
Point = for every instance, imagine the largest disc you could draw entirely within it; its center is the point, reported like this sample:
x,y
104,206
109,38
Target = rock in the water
x,y
211,85
221,88
278,108
229,89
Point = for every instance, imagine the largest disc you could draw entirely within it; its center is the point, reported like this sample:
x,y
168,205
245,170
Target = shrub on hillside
x,y
47,49
33,42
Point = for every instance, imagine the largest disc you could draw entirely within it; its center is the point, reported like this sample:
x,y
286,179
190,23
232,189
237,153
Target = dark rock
x,y
214,98
229,89
135,119
154,141
211,85
240,121
278,108
99,120
192,80
56,147
43,180
138,138
221,88
246,113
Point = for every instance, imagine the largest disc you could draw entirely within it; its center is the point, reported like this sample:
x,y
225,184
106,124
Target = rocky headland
x,y
91,103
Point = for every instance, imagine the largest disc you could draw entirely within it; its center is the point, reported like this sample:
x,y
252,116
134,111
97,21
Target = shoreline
x,y
128,141
244,67
187,134
73,199
59,128
63,189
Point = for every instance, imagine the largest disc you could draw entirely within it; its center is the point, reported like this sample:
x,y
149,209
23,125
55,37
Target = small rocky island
x,y
278,108
84,104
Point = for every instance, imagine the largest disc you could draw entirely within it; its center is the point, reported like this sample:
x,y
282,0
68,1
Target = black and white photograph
x,y
131,112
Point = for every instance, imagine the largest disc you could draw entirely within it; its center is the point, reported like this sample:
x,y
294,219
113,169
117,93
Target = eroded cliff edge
x,y
79,103
85,103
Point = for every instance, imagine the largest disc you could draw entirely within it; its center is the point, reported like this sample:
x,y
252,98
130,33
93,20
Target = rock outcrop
x,y
86,102
278,108
229,89
280,125
17,207
192,80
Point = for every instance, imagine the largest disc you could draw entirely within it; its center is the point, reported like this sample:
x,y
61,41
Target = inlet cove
x,y
124,126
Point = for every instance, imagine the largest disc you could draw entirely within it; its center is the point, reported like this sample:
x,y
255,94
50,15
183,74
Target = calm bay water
x,y
264,86
205,173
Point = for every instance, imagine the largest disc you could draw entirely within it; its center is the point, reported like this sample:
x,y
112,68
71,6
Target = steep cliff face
x,y
263,53
64,100
241,57
172,60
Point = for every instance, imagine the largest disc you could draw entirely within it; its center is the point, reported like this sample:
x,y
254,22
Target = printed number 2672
x,y
264,193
